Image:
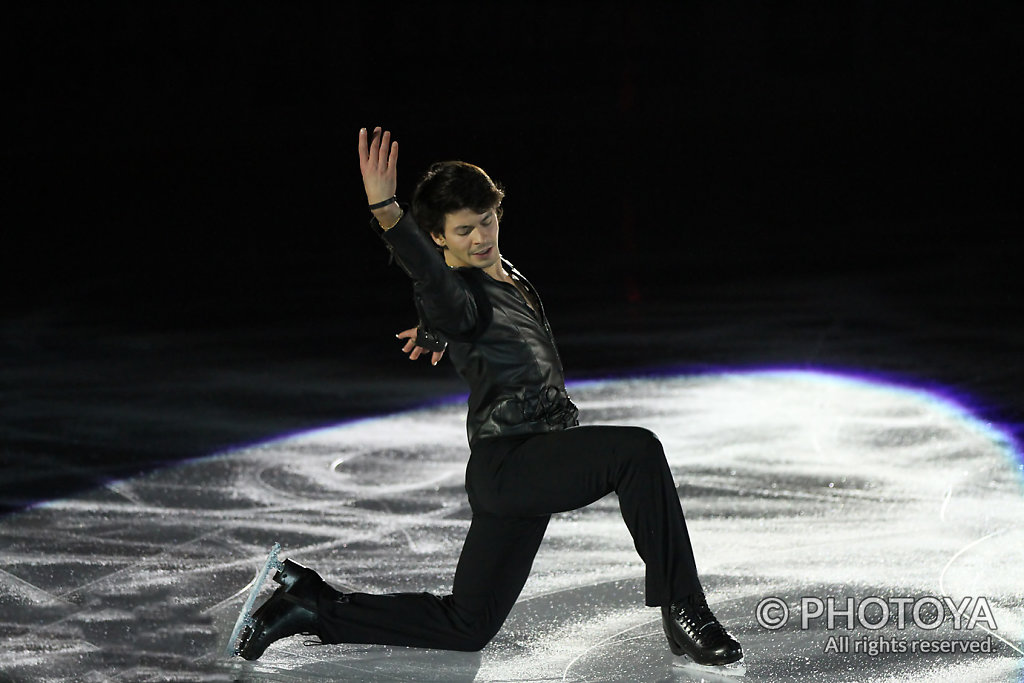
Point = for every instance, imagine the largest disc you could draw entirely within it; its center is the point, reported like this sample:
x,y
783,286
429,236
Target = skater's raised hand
x,y
415,351
378,162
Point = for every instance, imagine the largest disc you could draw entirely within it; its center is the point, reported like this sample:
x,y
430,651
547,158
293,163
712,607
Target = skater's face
x,y
470,238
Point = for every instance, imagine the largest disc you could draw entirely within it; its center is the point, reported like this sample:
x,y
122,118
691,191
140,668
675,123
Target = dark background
x,y
184,200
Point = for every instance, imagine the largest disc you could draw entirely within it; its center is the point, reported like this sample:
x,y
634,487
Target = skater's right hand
x,y
415,351
378,162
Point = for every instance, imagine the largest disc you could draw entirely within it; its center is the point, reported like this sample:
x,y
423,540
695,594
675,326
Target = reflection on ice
x,y
795,484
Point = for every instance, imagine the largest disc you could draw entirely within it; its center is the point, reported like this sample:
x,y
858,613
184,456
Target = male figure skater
x,y
529,458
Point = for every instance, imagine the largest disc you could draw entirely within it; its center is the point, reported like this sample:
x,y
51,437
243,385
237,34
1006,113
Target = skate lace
x,y
699,617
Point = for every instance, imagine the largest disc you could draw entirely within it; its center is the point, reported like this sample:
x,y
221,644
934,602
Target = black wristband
x,y
380,205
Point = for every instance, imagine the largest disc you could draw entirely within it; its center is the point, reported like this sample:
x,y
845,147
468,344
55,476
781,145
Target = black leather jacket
x,y
502,348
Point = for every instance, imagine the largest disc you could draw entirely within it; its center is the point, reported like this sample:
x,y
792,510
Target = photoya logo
x,y
873,613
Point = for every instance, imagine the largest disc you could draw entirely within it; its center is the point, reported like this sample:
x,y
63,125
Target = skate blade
x,y
720,672
233,648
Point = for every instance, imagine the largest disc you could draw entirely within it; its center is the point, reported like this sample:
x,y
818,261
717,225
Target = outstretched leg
x,y
494,564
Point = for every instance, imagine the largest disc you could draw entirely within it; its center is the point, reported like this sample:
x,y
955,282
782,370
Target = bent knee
x,y
474,644
644,450
643,440
475,625
474,641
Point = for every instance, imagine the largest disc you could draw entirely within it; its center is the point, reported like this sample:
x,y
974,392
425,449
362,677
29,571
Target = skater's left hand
x,y
415,351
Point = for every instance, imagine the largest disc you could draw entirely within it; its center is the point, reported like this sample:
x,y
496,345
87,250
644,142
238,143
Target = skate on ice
x,y
245,616
699,640
289,611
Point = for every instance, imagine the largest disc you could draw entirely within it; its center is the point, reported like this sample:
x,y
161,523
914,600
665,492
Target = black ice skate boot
x,y
289,611
694,632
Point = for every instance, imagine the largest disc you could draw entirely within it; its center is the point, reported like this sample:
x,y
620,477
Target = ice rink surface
x,y
801,486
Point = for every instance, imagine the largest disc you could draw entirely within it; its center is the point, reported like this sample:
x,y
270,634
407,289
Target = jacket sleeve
x,y
444,297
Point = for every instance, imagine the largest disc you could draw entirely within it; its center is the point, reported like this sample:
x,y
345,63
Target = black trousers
x,y
514,485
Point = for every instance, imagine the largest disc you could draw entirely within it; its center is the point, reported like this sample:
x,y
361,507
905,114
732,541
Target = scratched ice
x,y
794,484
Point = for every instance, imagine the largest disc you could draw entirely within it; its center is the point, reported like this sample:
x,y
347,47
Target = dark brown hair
x,y
450,186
